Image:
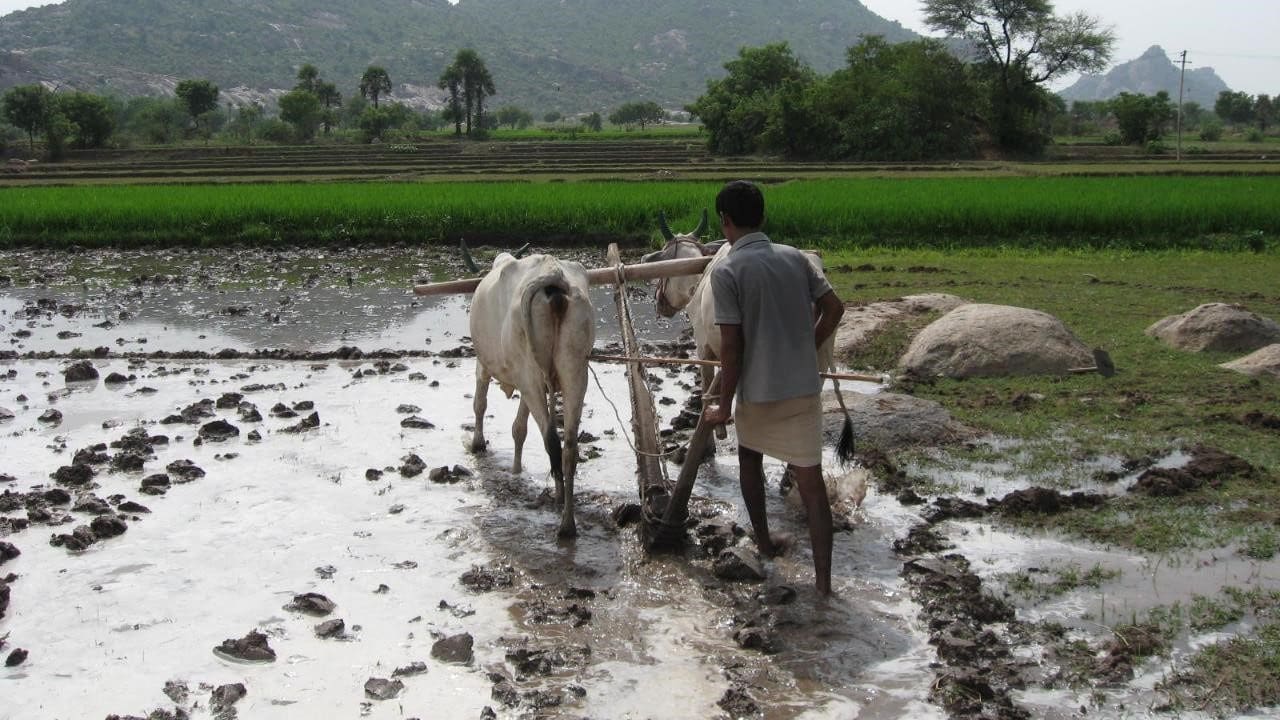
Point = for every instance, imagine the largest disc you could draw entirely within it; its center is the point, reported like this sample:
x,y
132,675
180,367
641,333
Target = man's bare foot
x,y
777,545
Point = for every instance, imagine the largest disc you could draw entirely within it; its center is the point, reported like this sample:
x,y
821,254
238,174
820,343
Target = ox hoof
x,y
479,446
567,532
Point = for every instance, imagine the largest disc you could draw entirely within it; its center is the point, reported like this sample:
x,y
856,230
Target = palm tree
x,y
330,98
375,82
477,83
451,80
308,77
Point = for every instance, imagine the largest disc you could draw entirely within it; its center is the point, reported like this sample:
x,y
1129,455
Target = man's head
x,y
740,206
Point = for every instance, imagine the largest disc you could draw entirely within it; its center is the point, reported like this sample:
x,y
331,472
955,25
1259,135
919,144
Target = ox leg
x,y
519,430
709,373
480,404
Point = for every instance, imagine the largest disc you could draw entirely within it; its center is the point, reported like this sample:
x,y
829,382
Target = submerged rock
x,y
456,649
311,604
382,689
250,648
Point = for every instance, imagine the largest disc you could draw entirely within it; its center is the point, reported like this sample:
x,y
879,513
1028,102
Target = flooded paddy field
x,y
250,471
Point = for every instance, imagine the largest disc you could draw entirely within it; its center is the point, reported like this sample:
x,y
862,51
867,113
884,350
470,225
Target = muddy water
x,y
108,627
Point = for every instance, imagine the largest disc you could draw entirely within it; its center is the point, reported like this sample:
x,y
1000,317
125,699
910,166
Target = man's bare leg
x,y
813,493
751,477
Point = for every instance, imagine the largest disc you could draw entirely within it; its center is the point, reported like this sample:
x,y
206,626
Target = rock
x,y
310,422
481,579
229,401
311,604
73,475
176,691
1263,363
980,340
888,420
739,564
863,323
457,649
8,552
157,484
92,504
130,506
382,689
331,628
407,409
250,648
1217,327
738,703
448,475
107,527
224,696
16,658
417,423
51,416
116,378
373,474
80,372
6,414
218,431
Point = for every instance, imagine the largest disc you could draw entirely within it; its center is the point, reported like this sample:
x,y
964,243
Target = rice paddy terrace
x,y
685,157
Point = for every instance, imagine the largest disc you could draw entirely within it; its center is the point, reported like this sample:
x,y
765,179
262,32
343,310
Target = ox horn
x,y
665,227
702,225
467,260
522,251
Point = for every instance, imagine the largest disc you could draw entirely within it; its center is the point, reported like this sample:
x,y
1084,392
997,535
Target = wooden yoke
x,y
638,272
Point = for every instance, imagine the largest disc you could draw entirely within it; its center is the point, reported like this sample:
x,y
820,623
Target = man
x,y
765,298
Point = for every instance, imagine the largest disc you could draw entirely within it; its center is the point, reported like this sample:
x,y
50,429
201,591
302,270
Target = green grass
x,y
1146,212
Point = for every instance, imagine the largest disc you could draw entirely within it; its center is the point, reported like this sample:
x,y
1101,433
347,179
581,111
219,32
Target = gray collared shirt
x,y
770,290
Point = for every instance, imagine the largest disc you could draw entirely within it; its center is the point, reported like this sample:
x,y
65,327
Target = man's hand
x,y
716,415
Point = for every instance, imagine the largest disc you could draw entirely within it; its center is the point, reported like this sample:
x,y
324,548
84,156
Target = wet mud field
x,y
236,484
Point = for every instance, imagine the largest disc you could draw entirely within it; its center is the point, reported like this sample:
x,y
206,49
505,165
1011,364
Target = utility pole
x,y
1182,83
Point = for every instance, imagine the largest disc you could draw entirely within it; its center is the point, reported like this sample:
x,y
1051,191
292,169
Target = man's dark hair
x,y
743,202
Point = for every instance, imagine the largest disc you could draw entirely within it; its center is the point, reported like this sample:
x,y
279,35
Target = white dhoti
x,y
789,430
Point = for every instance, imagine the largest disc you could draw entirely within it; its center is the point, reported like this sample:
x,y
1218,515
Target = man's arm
x,y
730,371
830,310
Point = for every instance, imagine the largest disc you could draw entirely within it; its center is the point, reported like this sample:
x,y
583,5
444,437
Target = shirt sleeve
x,y
724,293
818,285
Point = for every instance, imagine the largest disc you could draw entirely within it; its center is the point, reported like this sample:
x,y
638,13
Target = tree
x,y
26,107
198,97
1234,107
638,113
451,80
1023,45
513,116
552,117
375,83
476,83
735,109
330,98
1264,112
593,122
154,120
1142,118
308,78
246,121
91,116
374,122
301,109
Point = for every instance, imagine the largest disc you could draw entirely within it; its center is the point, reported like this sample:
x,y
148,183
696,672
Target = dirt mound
x,y
995,341
862,323
1217,327
1044,501
1208,466
1265,362
888,421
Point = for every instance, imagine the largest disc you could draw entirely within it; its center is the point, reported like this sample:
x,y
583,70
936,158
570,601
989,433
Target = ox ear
x,y
467,260
651,257
665,227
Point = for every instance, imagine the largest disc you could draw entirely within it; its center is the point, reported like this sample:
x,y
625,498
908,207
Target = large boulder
x,y
862,323
889,420
1217,327
1263,363
995,341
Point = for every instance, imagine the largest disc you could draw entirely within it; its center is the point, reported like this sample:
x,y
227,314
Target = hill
x,y
1148,75
563,55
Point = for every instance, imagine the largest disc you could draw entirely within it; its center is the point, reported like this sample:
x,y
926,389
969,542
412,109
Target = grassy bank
x,y
1229,213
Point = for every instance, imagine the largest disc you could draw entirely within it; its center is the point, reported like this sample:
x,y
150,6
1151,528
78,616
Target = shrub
x,y
1156,147
1255,136
1212,131
1113,139
276,130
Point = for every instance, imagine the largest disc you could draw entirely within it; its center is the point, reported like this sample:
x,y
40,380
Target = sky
x,y
1235,37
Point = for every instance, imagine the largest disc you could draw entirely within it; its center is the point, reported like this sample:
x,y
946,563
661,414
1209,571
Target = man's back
x,y
769,290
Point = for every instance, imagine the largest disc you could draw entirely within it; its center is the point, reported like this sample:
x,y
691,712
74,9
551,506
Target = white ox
x,y
692,293
533,326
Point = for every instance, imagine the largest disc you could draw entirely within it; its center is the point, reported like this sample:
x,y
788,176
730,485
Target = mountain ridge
x,y
1148,74
545,55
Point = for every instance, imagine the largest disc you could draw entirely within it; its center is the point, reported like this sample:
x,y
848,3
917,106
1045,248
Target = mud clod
x,y
410,670
16,658
218,431
224,696
8,552
311,604
184,471
81,371
411,466
1208,466
105,527
382,689
739,564
1043,501
417,423
456,649
250,648
738,703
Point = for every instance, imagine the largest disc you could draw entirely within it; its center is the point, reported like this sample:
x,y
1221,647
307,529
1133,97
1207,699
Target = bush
x,y
1255,136
1157,147
1113,139
276,131
1212,131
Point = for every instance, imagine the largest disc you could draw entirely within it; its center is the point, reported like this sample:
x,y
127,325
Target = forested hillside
x,y
547,55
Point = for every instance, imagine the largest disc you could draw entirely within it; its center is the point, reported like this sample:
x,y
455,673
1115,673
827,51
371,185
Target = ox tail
x,y
845,449
552,290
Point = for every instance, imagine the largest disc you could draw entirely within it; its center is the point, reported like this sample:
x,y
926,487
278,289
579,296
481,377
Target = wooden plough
x,y
665,506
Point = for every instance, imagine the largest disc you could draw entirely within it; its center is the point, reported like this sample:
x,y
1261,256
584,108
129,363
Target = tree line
x,y
1138,119
314,106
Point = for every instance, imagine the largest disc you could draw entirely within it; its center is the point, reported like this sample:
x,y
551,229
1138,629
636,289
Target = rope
x,y
622,428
